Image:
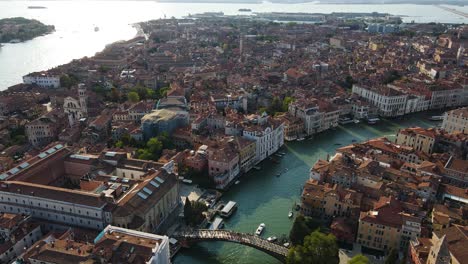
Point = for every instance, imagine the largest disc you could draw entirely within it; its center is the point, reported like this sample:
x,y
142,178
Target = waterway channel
x,y
264,198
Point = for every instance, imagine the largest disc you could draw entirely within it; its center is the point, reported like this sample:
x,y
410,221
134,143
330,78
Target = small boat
x,y
290,214
282,153
260,229
236,182
286,244
372,121
357,121
96,29
37,7
354,140
300,139
278,174
436,118
337,144
257,167
278,155
272,239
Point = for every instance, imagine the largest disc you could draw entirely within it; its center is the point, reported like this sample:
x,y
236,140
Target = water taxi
x,y
372,121
228,209
218,223
260,229
436,118
272,239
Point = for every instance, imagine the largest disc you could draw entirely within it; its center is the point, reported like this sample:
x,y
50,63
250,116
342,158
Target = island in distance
x,y
19,29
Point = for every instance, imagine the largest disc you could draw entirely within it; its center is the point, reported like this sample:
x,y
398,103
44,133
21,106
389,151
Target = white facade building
x,y
42,79
389,101
456,121
268,138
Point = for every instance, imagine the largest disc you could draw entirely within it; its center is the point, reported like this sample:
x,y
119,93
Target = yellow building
x,y
329,201
387,226
418,138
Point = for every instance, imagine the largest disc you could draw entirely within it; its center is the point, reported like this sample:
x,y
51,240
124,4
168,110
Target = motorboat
x,y
260,229
272,239
290,214
236,182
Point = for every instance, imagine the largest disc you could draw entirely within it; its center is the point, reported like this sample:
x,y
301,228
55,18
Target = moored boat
x,y
260,229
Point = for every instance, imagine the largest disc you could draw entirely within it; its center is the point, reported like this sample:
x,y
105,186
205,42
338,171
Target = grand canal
x,y
264,198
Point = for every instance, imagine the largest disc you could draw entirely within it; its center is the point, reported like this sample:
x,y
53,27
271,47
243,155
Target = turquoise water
x,y
265,198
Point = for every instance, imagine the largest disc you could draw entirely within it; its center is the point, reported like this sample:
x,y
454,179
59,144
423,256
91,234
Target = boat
x,y
290,214
14,41
278,155
257,167
272,239
245,10
337,144
436,118
96,29
356,121
345,120
236,182
354,140
228,209
260,229
37,7
372,121
218,223
286,244
278,174
282,153
300,139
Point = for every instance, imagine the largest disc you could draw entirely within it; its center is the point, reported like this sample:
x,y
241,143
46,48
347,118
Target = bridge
x,y
186,238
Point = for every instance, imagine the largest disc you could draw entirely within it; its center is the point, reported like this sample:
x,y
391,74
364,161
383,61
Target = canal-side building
x,y
268,134
223,163
390,101
417,138
317,115
456,121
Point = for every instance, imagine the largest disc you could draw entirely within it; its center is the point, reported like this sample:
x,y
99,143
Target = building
x,y
45,129
268,134
390,101
388,226
17,232
76,108
223,162
418,138
329,201
317,115
456,121
164,120
456,172
42,79
447,246
112,245
90,191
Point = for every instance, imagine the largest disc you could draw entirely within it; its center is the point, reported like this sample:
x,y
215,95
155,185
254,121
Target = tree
x,y
67,81
133,97
286,101
359,259
392,257
187,210
154,146
302,227
317,248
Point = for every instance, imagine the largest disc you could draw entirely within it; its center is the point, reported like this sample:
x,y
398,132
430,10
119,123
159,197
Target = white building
x,y
456,121
17,233
445,98
267,134
388,100
317,116
42,79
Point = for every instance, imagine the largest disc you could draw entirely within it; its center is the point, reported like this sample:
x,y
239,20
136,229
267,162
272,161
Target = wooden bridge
x,y
188,237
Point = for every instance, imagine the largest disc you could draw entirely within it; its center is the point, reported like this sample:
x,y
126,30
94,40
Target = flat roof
x,y
228,207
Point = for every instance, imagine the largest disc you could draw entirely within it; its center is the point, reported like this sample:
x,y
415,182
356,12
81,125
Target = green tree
x,y
392,257
286,101
299,230
133,97
317,248
197,212
359,259
68,81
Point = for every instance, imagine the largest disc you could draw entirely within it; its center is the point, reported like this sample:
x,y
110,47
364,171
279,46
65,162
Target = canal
x,y
265,198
